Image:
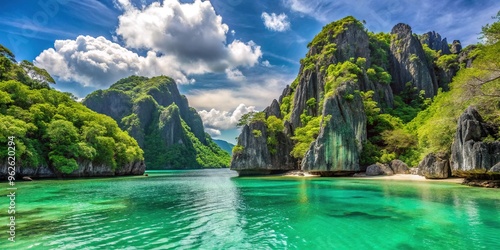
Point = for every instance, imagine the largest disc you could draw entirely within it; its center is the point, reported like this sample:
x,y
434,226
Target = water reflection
x,y
213,209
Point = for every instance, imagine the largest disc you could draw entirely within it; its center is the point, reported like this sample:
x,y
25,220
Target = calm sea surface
x,y
214,209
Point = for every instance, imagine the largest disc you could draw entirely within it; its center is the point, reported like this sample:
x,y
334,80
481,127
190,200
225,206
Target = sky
x,y
229,57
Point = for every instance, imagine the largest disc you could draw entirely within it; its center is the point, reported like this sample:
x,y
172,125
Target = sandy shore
x,y
402,177
409,177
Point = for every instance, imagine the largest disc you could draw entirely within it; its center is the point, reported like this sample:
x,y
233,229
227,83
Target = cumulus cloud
x,y
180,39
213,132
216,120
191,32
276,22
266,63
99,62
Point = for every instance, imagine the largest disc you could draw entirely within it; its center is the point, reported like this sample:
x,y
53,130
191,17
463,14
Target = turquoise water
x,y
213,209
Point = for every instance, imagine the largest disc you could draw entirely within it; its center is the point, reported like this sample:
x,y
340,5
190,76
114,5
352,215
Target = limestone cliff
x,y
433,41
317,94
409,64
469,152
154,112
322,112
337,148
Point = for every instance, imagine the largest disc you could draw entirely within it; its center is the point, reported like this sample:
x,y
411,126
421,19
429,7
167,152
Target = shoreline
x,y
410,177
399,177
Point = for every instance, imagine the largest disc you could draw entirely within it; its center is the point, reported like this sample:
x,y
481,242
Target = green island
x,y
387,140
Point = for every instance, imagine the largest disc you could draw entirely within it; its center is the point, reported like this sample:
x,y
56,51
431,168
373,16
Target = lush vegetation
x,y
414,126
331,30
417,126
52,129
158,98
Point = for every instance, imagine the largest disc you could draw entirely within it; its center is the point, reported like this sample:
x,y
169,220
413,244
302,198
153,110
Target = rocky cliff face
x,y
160,119
255,156
409,63
435,166
85,169
456,47
343,129
343,60
469,152
434,41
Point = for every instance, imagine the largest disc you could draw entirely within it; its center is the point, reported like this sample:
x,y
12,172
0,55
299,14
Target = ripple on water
x,y
194,209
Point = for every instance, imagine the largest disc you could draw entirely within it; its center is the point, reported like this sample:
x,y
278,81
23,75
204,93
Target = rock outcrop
x,y
252,155
338,145
399,167
456,47
434,41
469,152
435,166
394,167
85,169
379,169
467,56
409,63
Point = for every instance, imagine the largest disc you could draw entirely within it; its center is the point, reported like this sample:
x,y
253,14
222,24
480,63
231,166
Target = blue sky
x,y
229,57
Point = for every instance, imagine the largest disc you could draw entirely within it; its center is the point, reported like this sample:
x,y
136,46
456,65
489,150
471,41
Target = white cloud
x,y
99,62
213,132
266,63
181,39
276,22
191,32
234,75
216,120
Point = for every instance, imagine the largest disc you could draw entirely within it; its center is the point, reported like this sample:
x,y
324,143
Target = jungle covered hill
x,y
365,100
153,112
54,135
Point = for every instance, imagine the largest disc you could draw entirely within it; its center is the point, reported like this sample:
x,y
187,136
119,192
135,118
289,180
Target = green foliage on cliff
x,y
51,129
171,132
478,86
379,49
305,135
274,126
387,137
331,30
447,61
341,72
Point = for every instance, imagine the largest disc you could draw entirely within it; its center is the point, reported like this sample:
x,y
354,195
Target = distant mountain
x,y
226,146
154,112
